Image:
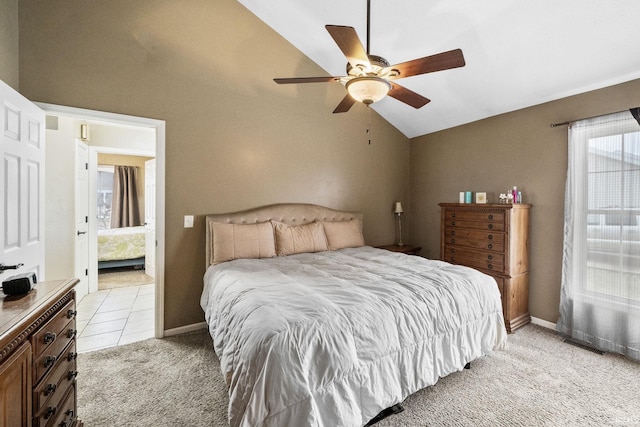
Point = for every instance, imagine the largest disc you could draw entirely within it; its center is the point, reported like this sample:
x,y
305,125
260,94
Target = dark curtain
x,y
125,210
635,112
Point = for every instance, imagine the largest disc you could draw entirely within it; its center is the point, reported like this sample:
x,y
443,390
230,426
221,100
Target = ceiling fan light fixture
x,y
368,89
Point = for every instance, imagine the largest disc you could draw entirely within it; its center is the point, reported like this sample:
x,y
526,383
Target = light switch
x,y
188,221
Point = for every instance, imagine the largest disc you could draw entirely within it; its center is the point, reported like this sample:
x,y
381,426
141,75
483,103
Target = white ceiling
x,y
517,53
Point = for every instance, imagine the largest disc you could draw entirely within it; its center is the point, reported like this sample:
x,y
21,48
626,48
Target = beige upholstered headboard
x,y
288,213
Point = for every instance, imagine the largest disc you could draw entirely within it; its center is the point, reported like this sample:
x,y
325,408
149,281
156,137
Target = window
x,y
613,200
600,294
105,193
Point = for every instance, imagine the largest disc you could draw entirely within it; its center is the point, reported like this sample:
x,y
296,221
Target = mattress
x,y
121,243
332,338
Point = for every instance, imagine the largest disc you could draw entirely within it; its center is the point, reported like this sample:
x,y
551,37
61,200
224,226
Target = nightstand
x,y
405,249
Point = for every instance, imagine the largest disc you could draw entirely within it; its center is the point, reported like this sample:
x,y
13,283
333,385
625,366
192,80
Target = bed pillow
x,y
233,241
296,239
343,234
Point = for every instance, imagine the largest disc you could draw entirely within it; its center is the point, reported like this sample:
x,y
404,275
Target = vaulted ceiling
x,y
517,54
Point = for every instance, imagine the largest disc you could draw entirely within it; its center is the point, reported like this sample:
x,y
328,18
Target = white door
x,y
22,127
150,217
82,219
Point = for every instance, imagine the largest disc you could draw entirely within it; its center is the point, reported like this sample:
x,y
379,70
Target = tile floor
x,y
115,316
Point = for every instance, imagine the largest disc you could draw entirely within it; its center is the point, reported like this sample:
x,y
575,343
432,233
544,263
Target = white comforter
x,y
332,338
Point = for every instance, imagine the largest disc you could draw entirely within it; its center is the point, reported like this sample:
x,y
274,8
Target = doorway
x,y
115,139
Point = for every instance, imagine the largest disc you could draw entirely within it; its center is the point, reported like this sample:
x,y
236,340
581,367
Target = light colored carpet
x,y
537,381
122,277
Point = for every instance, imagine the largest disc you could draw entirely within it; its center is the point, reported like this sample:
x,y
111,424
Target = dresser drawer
x,y
487,240
49,332
474,258
52,353
55,384
62,415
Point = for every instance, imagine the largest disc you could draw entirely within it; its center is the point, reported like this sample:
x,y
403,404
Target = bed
x,y
314,328
121,247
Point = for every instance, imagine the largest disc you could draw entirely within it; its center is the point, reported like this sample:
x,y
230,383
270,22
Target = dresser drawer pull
x,y
71,333
71,375
490,267
453,232
453,215
490,257
50,388
453,223
490,237
50,411
49,360
453,241
490,246
490,226
453,259
490,216
71,314
72,356
49,337
453,251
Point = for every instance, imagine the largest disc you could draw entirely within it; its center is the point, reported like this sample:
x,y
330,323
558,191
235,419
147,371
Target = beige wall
x,y
9,42
234,139
492,155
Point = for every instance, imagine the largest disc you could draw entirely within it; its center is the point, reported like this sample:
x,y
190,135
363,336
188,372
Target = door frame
x,y
159,126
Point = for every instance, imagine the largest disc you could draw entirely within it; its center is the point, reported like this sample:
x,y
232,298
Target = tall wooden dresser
x,y
38,357
493,238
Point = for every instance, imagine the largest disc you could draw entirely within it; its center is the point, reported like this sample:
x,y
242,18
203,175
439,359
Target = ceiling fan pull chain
x,y
369,124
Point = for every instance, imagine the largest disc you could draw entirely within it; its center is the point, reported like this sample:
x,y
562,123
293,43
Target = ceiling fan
x,y
370,77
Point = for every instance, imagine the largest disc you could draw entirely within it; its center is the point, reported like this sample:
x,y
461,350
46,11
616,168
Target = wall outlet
x,y
188,221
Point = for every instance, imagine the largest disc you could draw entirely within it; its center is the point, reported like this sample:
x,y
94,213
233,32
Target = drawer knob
x,y
453,240
453,215
453,223
490,257
49,360
490,237
71,333
490,267
50,411
50,388
453,259
453,232
72,356
490,216
71,375
71,314
49,337
490,246
490,226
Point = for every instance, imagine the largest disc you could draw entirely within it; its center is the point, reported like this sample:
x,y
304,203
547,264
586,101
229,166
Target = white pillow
x,y
233,241
296,239
343,234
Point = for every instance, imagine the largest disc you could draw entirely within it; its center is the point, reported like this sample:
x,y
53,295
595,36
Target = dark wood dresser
x,y
493,238
38,357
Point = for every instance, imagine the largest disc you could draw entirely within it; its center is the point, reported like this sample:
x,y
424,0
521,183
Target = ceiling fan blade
x,y
407,96
306,80
429,64
345,104
347,40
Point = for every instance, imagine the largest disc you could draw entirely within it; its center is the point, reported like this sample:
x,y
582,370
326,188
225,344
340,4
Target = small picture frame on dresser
x,y
481,198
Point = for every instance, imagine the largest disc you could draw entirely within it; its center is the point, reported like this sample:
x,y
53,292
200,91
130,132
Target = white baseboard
x,y
185,329
543,323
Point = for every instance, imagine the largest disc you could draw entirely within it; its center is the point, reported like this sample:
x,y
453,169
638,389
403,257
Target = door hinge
x,y
86,271
86,219
86,166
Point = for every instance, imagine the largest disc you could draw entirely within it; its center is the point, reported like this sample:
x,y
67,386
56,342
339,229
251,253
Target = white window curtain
x,y
600,294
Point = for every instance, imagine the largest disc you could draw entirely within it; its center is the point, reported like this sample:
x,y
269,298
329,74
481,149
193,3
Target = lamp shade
x,y
398,208
368,89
